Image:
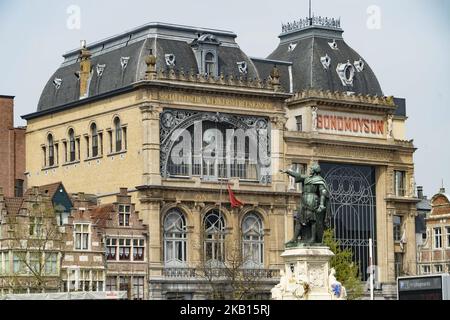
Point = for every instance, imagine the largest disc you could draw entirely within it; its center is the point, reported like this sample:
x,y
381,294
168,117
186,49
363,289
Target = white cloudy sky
x,y
409,53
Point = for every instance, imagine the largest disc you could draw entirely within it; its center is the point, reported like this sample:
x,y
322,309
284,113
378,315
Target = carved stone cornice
x,y
338,98
353,152
207,89
342,140
223,80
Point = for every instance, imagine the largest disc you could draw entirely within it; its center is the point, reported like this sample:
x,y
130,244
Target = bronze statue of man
x,y
313,215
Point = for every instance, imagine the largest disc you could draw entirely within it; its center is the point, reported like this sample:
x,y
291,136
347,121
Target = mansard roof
x,y
119,61
322,60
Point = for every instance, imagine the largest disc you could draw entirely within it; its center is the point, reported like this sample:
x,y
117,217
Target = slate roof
x,y
161,38
311,44
265,67
424,205
421,226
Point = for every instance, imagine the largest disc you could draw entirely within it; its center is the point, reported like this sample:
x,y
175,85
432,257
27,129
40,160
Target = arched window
x,y
214,236
118,134
51,151
210,64
175,238
94,137
71,145
252,241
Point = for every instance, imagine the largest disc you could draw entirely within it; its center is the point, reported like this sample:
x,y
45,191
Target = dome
x,y
322,60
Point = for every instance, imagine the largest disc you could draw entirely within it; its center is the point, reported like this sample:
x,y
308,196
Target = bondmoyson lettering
x,y
342,123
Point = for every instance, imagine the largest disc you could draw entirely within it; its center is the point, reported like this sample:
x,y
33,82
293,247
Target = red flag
x,y
235,203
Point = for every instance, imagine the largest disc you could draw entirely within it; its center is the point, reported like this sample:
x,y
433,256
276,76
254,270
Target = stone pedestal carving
x,y
307,276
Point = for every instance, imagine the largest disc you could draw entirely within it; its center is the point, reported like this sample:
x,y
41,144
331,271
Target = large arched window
x,y
252,241
51,151
118,134
72,146
94,137
175,238
214,236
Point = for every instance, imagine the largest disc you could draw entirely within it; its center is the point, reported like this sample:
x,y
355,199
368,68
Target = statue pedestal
x,y
307,275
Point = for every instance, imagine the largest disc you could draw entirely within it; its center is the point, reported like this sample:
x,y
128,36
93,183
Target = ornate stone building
x,y
177,113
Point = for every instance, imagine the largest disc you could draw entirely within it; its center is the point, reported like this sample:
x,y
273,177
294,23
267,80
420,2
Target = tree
x,y
34,243
234,278
346,269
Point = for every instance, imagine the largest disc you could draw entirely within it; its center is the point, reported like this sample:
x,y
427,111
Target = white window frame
x,y
141,244
252,240
400,186
37,223
111,281
214,237
426,269
138,287
82,232
51,265
175,235
435,237
397,236
447,229
125,214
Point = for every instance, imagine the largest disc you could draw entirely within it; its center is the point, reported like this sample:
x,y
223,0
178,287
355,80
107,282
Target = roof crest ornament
x,y
304,23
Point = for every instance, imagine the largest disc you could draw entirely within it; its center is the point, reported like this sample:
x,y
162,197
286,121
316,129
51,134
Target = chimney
x,y
123,191
6,112
420,192
85,70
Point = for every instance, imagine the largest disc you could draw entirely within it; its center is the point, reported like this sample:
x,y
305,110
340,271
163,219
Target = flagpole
x,y
371,268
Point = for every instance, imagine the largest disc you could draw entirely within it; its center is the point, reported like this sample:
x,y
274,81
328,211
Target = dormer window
x,y
205,50
210,64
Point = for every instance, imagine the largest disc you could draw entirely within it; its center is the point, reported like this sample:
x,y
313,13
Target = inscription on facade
x,y
350,124
214,100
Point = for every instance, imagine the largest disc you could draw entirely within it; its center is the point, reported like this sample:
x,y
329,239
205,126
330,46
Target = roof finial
x,y
442,188
310,16
150,61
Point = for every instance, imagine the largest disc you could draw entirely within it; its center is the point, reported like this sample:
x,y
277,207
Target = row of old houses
x,y
51,241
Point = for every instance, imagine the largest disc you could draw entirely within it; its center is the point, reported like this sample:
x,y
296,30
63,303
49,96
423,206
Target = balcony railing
x,y
221,273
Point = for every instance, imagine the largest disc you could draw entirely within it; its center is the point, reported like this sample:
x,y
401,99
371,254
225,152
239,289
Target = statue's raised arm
x,y
298,177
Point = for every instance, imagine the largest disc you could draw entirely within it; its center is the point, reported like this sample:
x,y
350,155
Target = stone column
x,y
151,147
195,241
150,214
277,152
410,246
381,220
390,245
